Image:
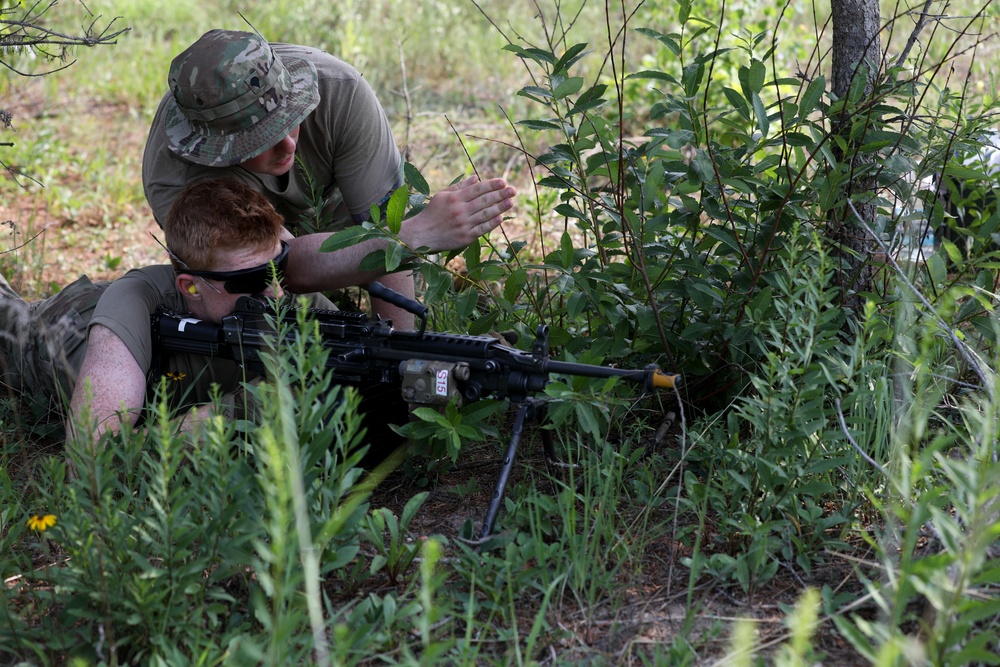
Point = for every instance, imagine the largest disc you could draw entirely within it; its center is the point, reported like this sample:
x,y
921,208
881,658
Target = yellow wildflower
x,y
176,377
40,524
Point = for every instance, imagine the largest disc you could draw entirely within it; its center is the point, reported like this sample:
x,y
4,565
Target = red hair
x,y
219,214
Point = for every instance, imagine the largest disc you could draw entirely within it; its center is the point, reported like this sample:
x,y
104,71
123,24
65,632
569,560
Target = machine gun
x,y
430,368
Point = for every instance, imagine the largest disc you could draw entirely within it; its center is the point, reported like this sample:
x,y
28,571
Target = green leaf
x,y
374,261
990,574
466,303
438,282
566,250
576,304
346,238
674,138
558,336
537,93
707,297
378,562
812,96
714,208
572,55
758,108
514,284
653,74
653,185
482,325
702,169
430,415
697,331
692,76
976,651
752,78
410,510
722,235
393,256
568,87
416,180
668,41
954,254
738,102
828,194
591,99
556,182
848,627
395,209
472,255
538,55
683,11
874,146
761,304
936,266
540,124
961,172
568,211
588,422
476,412
556,154
799,139
859,82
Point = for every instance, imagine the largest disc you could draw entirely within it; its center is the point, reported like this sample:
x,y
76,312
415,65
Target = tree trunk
x,y
857,53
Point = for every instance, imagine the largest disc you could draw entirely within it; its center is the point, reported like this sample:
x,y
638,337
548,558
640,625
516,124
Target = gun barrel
x,y
651,376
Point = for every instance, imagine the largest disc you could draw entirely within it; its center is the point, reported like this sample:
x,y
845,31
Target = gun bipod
x,y
533,409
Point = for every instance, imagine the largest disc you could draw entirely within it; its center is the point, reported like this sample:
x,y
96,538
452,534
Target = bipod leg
x,y
526,410
550,451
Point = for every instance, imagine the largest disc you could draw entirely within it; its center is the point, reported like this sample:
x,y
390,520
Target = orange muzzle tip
x,y
663,381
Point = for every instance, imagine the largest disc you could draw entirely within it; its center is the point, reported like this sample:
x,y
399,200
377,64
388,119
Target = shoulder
x,y
149,285
328,67
159,276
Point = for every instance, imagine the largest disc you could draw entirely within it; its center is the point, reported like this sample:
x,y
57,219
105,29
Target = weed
x,y
395,549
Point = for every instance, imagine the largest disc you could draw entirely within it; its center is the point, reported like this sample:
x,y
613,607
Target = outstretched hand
x,y
459,214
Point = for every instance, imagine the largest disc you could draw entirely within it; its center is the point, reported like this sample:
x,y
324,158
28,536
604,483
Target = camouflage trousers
x,y
42,345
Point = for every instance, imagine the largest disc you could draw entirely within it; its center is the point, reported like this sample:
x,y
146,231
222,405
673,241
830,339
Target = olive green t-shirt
x,y
345,149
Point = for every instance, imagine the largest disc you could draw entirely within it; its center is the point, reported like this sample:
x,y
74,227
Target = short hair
x,y
219,214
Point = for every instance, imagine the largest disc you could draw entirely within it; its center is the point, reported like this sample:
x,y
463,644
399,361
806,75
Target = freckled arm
x,y
110,384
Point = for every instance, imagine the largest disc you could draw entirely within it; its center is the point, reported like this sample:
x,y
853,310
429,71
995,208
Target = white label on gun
x,y
184,322
441,386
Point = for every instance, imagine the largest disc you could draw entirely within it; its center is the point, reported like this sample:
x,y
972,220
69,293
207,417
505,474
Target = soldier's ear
x,y
187,286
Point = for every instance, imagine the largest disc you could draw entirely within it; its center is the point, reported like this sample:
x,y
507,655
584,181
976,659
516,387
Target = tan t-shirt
x,y
346,148
127,306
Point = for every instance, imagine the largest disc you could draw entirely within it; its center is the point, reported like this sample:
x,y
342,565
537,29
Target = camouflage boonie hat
x,y
232,98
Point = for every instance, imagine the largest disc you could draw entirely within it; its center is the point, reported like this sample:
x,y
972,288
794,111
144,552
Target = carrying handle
x,y
380,291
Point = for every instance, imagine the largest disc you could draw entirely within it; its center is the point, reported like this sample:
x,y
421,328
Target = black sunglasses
x,y
249,281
